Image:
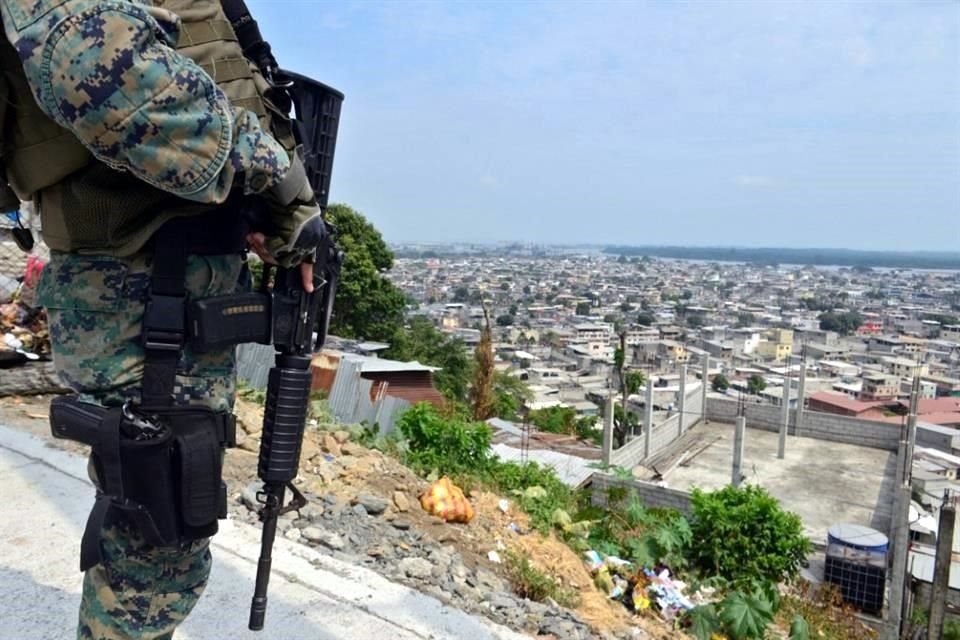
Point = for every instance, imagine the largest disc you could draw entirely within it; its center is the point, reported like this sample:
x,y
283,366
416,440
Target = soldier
x,y
134,127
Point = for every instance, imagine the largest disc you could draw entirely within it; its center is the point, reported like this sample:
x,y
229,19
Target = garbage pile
x,y
24,334
643,589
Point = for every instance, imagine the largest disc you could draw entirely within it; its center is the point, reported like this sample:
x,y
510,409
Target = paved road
x,y
44,500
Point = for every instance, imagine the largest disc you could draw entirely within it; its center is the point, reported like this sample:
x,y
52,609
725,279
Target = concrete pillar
x,y
738,436
941,569
683,398
785,420
647,419
703,391
608,430
801,399
899,541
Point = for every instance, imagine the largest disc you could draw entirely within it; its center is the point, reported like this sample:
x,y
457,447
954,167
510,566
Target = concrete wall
x,y
650,494
822,426
661,435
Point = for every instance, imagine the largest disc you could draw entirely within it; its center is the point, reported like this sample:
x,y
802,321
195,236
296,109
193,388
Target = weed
x,y
531,583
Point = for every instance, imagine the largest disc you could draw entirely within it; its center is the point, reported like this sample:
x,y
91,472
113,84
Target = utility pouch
x,y
162,469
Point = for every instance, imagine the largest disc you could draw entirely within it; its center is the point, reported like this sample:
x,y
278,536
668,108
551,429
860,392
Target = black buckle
x,y
164,324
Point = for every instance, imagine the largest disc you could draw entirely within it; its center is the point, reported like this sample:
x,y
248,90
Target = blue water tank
x,y
857,564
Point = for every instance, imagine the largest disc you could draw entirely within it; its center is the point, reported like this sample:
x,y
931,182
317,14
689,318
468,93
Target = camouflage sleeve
x,y
106,70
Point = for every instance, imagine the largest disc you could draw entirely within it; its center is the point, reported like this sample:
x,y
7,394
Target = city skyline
x,y
750,124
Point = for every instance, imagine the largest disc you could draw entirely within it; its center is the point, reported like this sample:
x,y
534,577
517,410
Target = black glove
x,y
295,220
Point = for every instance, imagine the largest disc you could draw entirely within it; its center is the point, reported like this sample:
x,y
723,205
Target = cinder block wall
x,y
822,426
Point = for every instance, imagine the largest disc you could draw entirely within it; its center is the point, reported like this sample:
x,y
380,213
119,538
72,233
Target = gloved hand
x,y
295,227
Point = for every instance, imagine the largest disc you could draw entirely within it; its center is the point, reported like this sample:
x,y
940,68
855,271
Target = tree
x,y
695,321
756,384
633,381
583,309
505,320
626,307
514,308
421,341
843,323
720,383
367,305
555,419
481,391
461,294
645,319
509,395
745,319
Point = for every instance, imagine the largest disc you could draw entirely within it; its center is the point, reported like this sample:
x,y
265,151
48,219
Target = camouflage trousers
x,y
95,307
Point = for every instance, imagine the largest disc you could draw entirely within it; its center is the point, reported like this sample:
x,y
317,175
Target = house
x,y
878,386
410,381
837,404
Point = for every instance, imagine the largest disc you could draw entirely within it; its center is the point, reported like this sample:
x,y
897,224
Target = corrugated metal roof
x,y
571,470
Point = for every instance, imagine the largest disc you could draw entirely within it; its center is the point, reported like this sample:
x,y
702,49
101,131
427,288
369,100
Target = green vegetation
x,y
509,394
481,390
695,321
745,319
583,309
720,383
756,384
744,536
532,584
645,319
843,323
367,305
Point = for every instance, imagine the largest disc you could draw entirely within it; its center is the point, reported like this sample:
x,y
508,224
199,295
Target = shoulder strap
x,y
248,35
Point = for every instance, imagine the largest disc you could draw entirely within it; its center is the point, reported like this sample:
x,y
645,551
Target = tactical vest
x,y
86,206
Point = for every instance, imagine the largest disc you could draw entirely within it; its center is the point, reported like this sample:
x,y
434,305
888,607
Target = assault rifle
x,y
284,314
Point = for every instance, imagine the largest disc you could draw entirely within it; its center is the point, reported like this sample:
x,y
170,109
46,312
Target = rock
x,y
249,495
327,472
330,499
308,450
360,510
500,601
372,504
401,523
352,449
341,436
377,552
401,501
459,572
293,534
415,567
489,580
440,558
561,629
312,512
466,592
324,537
329,444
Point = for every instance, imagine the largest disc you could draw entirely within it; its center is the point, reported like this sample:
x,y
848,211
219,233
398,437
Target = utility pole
x,y
608,430
901,516
941,567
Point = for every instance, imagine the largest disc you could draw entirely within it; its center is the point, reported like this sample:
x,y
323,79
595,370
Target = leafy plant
x,y
743,535
799,629
741,615
643,536
445,445
531,583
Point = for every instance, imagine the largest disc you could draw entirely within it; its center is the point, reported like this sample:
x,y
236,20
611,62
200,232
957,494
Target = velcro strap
x,y
194,33
200,476
227,69
287,190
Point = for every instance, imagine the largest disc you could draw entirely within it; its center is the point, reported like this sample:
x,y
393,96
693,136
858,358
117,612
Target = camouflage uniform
x,y
106,71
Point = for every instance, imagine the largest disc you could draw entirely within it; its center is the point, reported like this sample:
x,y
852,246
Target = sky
x,y
807,124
